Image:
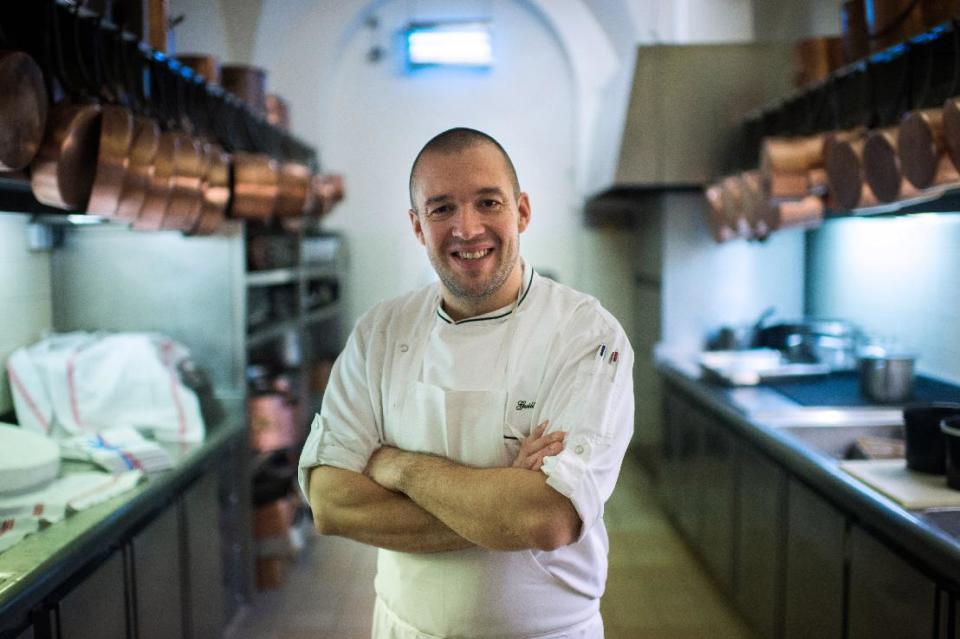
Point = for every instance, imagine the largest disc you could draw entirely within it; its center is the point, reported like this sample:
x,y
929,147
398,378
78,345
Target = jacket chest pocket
x,y
518,420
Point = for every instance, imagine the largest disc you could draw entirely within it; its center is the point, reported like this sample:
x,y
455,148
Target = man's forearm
x,y
349,504
497,508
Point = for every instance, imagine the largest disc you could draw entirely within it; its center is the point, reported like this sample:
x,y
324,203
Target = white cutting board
x,y
910,489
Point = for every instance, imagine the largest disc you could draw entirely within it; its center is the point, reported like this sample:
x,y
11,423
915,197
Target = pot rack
x,y
875,92
113,65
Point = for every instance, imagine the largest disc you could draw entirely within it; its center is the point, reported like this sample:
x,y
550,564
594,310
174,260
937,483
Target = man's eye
x,y
440,210
489,204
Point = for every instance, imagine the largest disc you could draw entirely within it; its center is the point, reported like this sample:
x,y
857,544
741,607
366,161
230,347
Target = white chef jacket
x,y
569,362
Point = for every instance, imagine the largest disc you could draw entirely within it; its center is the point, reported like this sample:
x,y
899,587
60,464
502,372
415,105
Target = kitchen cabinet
x,y
760,537
158,586
717,476
888,596
203,562
814,582
97,607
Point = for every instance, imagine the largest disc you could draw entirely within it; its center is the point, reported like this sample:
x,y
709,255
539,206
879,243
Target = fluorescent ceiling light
x,y
453,44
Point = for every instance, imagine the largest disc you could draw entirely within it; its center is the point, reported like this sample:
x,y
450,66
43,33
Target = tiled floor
x,y
655,589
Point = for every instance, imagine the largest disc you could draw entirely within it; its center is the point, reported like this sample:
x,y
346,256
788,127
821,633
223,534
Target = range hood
x,y
683,122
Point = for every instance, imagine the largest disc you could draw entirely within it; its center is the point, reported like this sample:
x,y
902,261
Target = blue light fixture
x,y
460,44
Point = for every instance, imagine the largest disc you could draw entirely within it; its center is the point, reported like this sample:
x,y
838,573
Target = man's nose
x,y
468,223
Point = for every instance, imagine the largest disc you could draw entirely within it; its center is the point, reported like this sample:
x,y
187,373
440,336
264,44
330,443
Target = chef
x,y
473,430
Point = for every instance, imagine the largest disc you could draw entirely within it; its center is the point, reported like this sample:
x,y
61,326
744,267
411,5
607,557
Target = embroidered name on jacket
x,y
524,404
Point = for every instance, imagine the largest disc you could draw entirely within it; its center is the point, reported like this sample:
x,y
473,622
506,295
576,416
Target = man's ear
x,y
415,222
523,211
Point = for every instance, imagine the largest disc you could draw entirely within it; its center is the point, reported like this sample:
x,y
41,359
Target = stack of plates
x,y
28,461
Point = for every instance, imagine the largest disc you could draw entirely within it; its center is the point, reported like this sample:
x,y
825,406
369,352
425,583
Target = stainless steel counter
x,y
43,560
787,432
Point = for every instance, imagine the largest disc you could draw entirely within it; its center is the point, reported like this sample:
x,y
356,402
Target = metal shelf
x,y
269,333
328,311
936,199
273,277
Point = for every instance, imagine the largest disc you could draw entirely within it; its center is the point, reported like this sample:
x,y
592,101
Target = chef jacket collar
x,y
526,280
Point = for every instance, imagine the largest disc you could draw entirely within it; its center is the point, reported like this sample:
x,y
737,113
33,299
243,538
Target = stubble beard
x,y
484,290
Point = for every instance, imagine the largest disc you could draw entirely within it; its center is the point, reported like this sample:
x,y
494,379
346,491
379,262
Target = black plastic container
x,y
924,439
951,430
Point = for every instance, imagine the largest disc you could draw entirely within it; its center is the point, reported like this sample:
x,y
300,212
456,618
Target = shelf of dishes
x,y
98,123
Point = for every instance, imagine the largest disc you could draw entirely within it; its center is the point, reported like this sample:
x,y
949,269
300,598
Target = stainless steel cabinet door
x,y
97,608
761,541
205,608
157,565
717,476
815,556
888,597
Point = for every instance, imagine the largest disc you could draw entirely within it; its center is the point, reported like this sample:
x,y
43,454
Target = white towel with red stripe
x,y
23,514
80,383
117,450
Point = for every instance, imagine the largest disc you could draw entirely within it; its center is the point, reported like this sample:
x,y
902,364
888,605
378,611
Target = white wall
x,y
899,278
24,294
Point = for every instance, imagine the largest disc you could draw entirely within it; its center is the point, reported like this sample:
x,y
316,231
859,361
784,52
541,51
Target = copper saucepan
x,y
843,159
23,109
881,166
116,136
248,83
136,182
922,148
716,219
294,192
61,174
186,195
255,186
161,183
216,191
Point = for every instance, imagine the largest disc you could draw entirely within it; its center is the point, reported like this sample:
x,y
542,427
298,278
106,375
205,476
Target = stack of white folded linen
x,y
118,450
23,514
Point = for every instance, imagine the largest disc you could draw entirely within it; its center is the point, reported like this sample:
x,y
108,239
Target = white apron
x,y
474,592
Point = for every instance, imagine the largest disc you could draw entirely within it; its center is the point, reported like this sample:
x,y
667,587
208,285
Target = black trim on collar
x,y
501,316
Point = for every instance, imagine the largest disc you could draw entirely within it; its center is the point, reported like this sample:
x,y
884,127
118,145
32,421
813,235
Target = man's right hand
x,y
536,446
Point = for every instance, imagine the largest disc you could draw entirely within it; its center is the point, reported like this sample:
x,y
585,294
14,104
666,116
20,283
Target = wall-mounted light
x,y
463,44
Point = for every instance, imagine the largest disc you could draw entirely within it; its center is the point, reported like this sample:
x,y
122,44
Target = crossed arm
x,y
414,502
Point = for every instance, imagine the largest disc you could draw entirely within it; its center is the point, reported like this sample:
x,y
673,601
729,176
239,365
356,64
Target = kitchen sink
x,y
840,441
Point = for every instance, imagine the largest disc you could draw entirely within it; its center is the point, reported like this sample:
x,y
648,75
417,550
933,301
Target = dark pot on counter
x,y
924,439
951,432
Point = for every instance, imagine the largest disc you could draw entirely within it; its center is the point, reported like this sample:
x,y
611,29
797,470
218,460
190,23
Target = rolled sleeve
x,y
345,433
592,400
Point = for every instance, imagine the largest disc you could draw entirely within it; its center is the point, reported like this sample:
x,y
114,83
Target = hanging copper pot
x,y
890,22
843,160
161,183
23,110
216,191
61,174
856,40
278,111
248,83
803,213
795,154
922,147
186,194
116,136
716,220
881,166
294,190
136,182
255,186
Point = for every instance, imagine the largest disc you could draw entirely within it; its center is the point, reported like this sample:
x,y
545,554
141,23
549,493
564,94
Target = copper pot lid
x,y
920,142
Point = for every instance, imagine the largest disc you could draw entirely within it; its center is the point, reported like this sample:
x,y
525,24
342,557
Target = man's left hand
x,y
385,467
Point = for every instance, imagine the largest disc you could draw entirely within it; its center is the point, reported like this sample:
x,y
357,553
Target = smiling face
x,y
469,219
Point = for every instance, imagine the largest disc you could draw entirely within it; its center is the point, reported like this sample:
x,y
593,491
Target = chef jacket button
x,y
404,348
578,450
